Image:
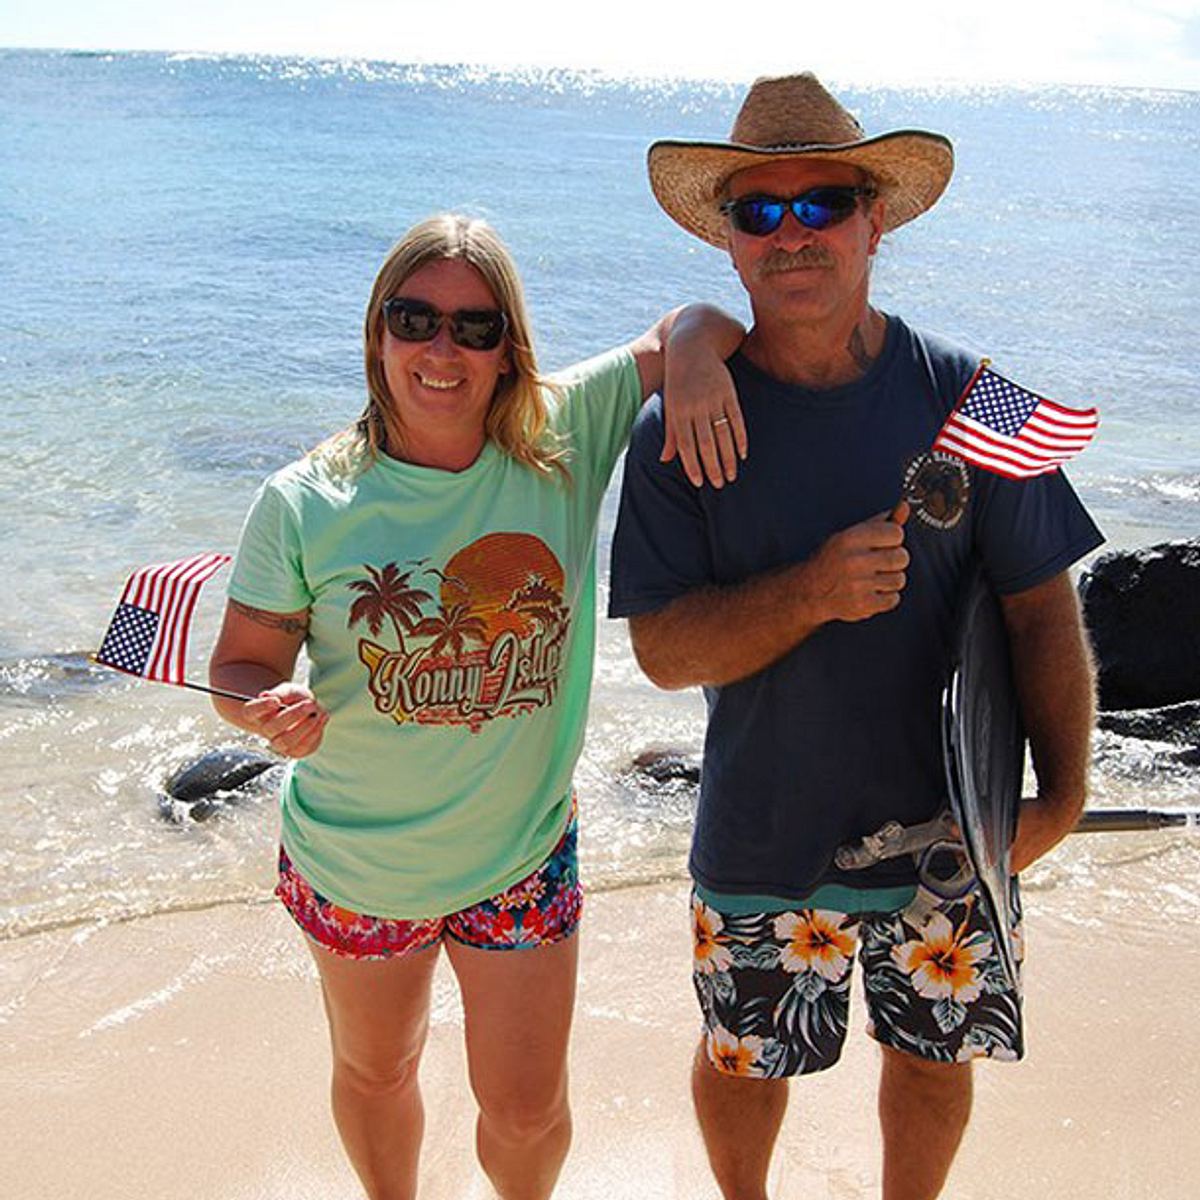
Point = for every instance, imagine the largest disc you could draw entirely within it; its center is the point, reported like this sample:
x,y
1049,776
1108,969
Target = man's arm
x,y
1055,680
683,356
713,636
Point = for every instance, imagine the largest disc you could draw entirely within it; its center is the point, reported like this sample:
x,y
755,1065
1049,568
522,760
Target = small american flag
x,y
148,633
1003,428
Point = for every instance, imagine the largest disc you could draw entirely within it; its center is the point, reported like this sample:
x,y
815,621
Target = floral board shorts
x,y
540,910
775,987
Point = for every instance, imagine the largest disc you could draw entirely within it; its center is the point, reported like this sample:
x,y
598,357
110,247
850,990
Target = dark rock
x,y
200,788
1142,611
1177,723
669,767
180,812
222,770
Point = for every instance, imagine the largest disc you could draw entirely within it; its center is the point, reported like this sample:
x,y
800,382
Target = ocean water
x,y
186,246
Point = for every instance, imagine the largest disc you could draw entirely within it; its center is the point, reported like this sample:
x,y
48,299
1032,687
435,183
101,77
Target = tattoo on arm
x,y
280,621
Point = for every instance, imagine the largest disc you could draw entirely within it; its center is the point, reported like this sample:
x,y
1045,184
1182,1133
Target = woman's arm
x,y
256,655
683,355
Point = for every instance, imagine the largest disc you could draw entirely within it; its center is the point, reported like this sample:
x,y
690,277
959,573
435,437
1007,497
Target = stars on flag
x,y
149,631
1013,432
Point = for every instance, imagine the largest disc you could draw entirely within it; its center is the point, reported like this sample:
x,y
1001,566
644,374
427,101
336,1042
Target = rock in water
x,y
220,770
192,790
1178,723
669,768
1142,610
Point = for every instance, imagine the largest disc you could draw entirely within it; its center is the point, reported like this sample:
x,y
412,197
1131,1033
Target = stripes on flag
x,y
1013,432
148,633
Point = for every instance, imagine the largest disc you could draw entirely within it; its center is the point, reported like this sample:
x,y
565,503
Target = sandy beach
x,y
184,1055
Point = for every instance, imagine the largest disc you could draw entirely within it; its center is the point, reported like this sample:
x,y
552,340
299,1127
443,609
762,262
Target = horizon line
x,y
605,73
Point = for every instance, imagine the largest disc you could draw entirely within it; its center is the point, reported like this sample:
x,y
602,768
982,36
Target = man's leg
x,y
938,998
781,980
739,1119
923,1111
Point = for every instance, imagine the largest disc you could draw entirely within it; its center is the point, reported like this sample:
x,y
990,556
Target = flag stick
x,y
212,691
195,687
984,363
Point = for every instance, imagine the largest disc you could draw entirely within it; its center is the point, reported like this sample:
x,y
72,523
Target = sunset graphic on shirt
x,y
481,637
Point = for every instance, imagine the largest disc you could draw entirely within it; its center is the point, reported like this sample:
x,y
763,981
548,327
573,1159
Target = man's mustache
x,y
778,261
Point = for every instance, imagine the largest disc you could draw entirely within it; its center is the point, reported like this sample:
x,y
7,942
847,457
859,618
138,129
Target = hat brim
x,y
910,166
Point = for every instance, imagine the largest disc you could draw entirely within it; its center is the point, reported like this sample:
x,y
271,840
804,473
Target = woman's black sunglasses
x,y
818,208
470,328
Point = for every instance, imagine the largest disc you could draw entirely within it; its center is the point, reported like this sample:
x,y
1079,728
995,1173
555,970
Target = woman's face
x,y
440,389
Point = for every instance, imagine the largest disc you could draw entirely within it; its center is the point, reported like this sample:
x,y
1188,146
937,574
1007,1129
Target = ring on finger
x,y
720,421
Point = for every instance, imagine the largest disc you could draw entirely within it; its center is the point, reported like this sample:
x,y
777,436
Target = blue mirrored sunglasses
x,y
818,208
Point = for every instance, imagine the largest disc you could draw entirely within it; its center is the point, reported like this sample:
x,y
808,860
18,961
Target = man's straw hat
x,y
788,117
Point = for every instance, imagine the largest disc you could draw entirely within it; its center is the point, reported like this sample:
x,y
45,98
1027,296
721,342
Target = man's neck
x,y
819,355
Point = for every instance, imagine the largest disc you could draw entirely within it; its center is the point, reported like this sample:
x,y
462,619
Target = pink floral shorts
x,y
541,909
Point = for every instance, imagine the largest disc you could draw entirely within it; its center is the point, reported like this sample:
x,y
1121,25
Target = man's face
x,y
798,274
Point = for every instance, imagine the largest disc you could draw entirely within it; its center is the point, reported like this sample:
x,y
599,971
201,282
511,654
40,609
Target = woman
x,y
437,562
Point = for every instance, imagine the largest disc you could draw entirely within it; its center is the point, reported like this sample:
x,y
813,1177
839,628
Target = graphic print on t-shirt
x,y
480,638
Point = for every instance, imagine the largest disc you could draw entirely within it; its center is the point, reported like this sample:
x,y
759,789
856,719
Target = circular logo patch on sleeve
x,y
938,487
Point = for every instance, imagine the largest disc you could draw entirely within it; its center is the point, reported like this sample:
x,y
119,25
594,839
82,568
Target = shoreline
x,y
184,1054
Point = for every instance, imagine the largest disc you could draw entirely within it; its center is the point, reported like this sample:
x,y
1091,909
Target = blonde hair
x,y
517,417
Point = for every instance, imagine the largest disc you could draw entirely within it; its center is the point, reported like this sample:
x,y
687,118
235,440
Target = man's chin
x,y
798,298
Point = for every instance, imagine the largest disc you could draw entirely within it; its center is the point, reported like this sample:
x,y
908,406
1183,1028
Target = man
x,y
816,608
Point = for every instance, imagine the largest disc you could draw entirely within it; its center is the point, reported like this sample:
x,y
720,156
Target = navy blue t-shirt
x,y
841,734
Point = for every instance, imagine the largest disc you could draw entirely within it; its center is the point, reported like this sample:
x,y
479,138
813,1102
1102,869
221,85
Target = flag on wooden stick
x,y
148,634
1013,432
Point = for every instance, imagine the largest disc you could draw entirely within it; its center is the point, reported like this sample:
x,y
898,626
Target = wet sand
x,y
184,1055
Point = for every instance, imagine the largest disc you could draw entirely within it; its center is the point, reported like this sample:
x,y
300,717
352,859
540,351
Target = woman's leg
x,y
378,1012
518,1006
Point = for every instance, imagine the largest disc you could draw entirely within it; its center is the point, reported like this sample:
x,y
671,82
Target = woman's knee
x,y
378,1019
524,1114
376,1070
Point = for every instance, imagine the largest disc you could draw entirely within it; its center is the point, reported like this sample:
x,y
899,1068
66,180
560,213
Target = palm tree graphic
x,y
451,629
387,594
536,598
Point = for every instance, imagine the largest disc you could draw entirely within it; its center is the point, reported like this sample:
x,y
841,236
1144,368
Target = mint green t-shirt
x,y
452,634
